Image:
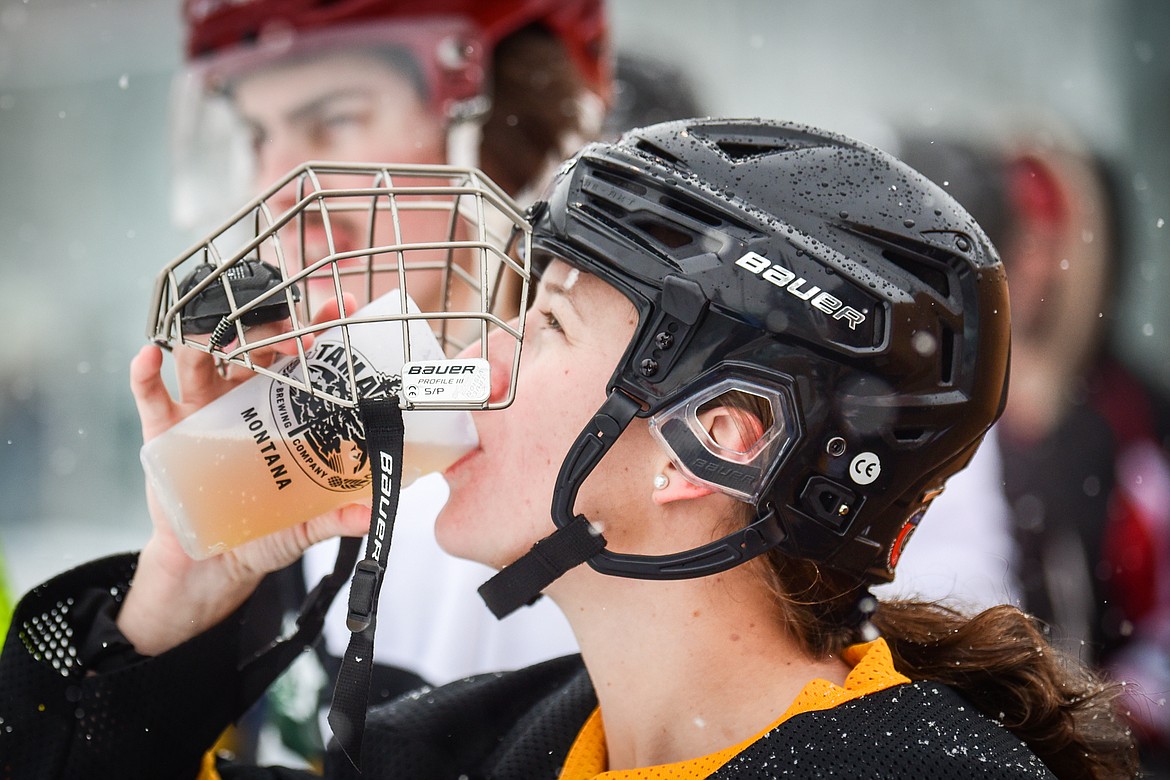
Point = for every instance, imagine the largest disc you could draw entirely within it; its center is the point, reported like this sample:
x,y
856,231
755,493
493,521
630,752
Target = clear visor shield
x,y
429,257
216,141
763,423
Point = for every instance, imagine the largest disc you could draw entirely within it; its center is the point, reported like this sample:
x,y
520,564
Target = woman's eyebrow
x,y
564,292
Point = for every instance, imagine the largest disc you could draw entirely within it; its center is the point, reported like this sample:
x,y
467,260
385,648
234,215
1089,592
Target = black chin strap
x,y
575,540
347,716
521,583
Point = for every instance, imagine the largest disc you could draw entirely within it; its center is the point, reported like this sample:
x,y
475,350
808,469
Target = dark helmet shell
x,y
787,255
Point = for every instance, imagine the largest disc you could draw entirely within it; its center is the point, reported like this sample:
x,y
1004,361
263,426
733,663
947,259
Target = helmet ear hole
x,y
732,426
731,437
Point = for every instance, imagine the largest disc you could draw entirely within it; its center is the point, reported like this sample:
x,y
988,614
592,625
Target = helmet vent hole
x,y
935,268
622,182
934,277
664,233
655,150
706,216
605,207
946,354
739,150
909,435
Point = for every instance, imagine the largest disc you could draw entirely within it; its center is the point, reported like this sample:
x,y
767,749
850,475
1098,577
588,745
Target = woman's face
x,y
342,107
577,330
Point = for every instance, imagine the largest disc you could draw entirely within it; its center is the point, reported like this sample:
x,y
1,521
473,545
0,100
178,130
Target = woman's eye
x,y
326,128
550,321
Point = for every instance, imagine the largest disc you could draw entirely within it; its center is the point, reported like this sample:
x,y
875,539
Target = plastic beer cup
x,y
268,455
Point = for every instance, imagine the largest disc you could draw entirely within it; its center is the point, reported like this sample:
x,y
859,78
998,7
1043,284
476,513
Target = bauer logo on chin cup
x,y
440,382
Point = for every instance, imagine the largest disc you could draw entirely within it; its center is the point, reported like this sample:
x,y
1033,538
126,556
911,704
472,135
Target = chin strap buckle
x,y
521,583
575,541
363,591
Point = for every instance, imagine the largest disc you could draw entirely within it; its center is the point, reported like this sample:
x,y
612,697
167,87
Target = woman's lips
x,y
456,465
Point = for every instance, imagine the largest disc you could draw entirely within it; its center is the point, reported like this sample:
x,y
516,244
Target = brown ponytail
x,y
1002,663
999,660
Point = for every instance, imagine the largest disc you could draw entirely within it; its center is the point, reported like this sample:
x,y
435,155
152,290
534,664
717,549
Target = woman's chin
x,y
475,537
453,533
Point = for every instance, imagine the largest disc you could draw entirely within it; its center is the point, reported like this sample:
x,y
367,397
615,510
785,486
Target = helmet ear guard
x,y
768,427
576,541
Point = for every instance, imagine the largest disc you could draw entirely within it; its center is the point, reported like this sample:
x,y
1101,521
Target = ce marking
x,y
865,468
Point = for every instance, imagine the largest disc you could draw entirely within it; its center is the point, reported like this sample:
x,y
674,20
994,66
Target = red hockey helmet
x,y
580,25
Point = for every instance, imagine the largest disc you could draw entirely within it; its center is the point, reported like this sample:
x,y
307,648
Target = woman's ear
x,y
727,428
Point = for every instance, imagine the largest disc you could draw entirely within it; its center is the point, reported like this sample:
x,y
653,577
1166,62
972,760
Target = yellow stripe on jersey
x,y
207,770
873,671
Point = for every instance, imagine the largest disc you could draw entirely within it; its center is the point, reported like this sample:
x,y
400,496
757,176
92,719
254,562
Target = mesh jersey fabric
x,y
873,670
61,722
149,718
155,717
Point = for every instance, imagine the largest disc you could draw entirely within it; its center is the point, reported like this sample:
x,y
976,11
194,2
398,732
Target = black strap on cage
x,y
382,419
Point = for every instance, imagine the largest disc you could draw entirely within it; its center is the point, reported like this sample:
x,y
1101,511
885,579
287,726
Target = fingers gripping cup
x,y
288,445
268,455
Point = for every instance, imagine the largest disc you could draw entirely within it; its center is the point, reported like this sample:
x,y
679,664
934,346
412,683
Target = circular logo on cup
x,y
326,439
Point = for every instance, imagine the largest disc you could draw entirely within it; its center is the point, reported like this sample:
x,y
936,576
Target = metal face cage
x,y
329,238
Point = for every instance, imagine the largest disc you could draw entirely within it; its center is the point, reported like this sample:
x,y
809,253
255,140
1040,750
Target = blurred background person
x,y
509,86
1083,437
648,89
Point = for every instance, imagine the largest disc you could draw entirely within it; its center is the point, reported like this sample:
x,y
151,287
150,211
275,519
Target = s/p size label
x,y
445,382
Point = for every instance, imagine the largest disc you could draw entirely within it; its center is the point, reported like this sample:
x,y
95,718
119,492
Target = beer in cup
x,y
268,455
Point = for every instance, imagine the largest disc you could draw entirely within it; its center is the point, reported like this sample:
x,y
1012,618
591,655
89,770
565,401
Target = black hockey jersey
x,y
155,717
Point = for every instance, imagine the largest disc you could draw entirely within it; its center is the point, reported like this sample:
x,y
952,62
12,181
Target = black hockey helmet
x,y
851,296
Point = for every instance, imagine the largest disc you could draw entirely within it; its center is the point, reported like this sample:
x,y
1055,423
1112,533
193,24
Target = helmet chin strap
x,y
577,541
